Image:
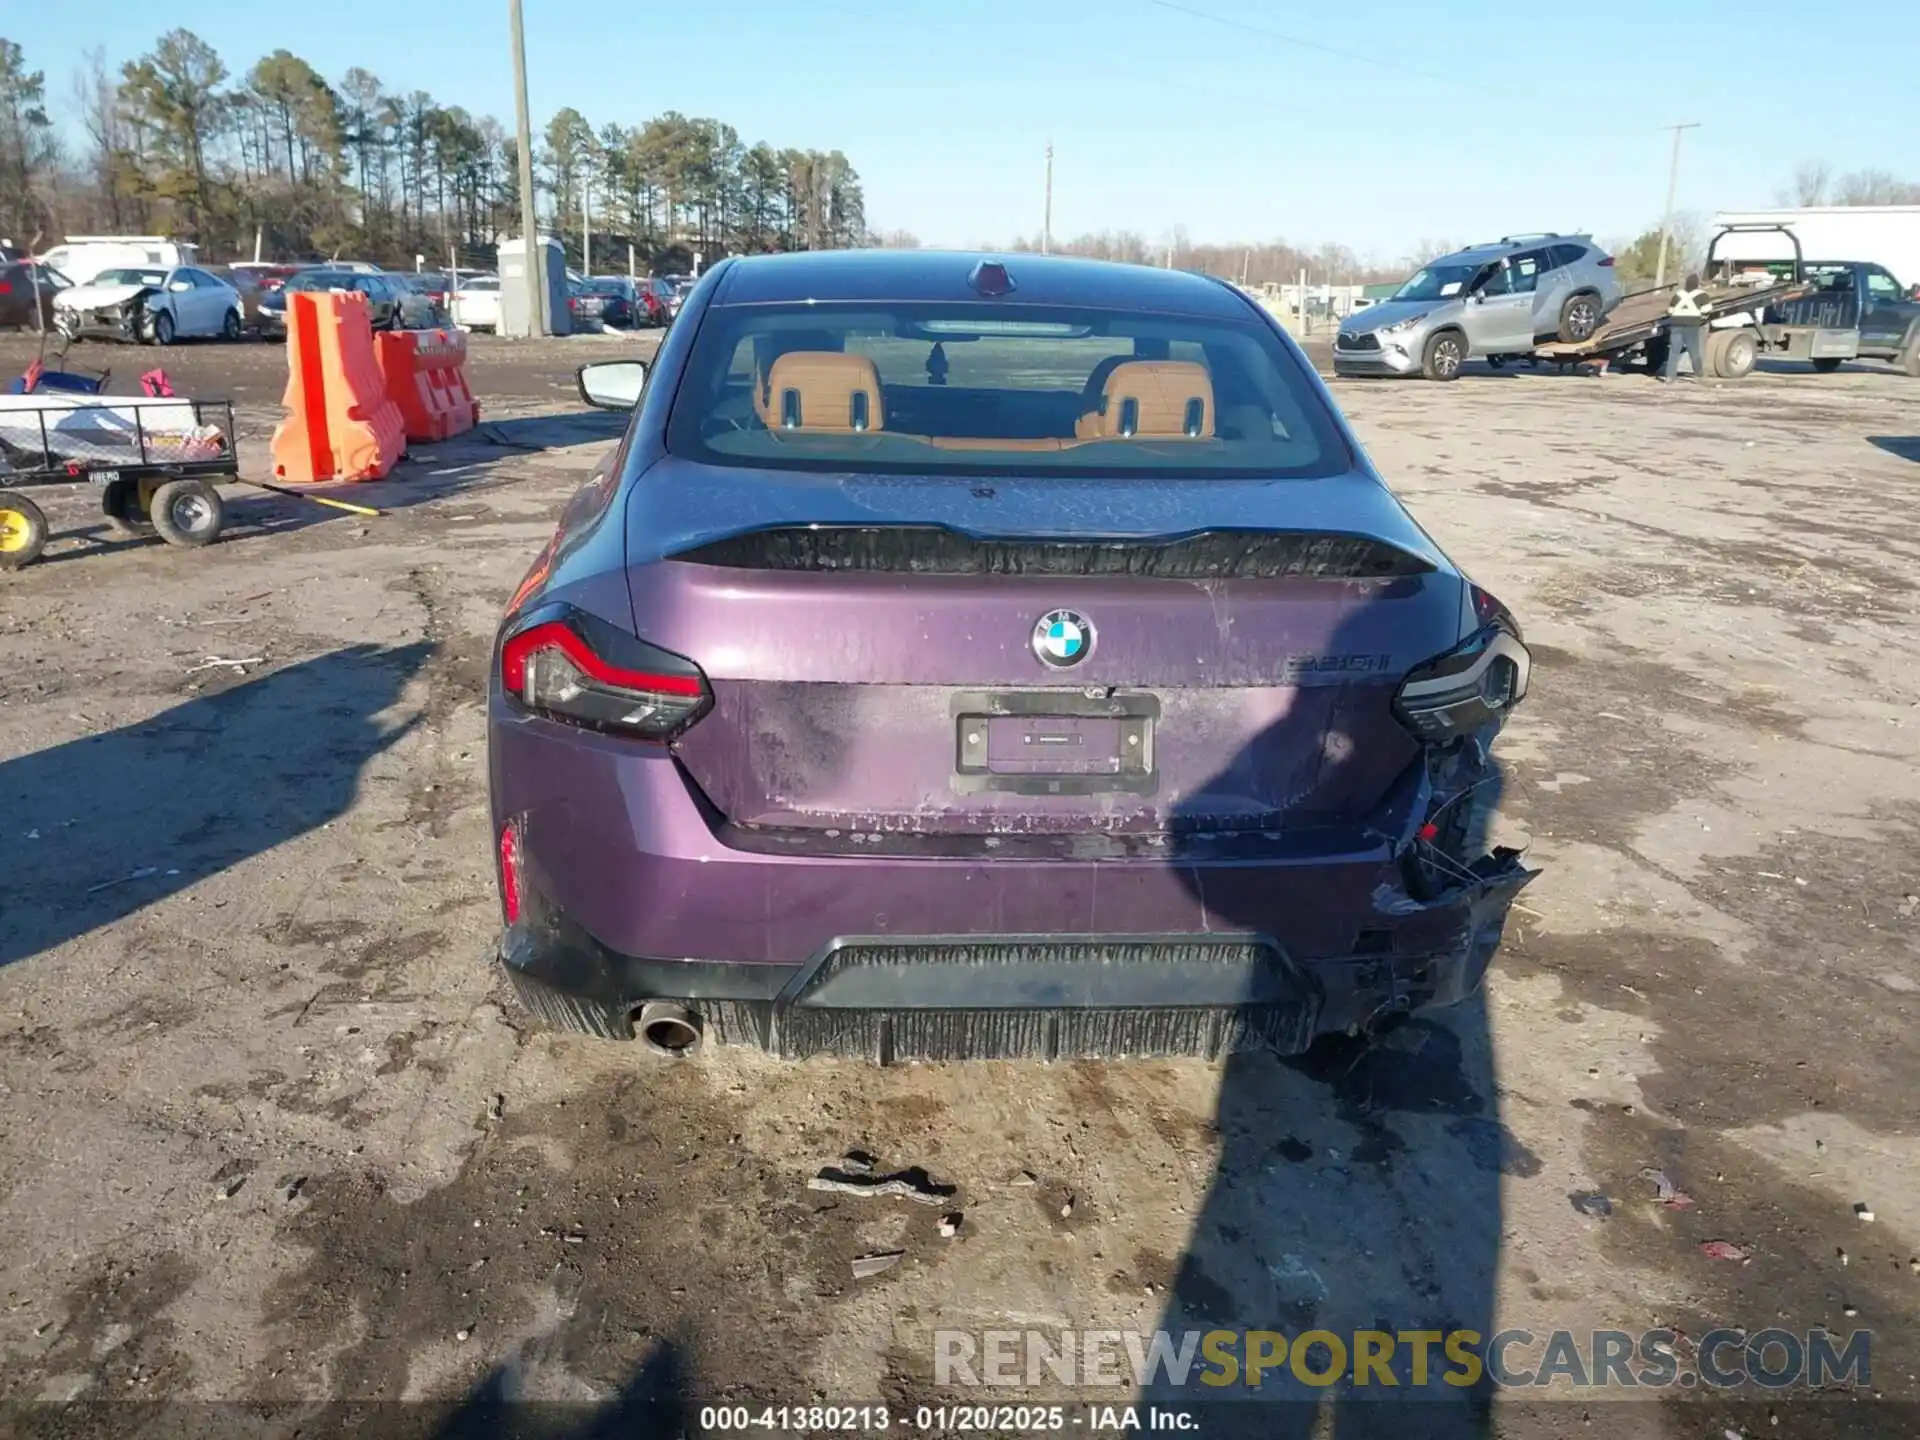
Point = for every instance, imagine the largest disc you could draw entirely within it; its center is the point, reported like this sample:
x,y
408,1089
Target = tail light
x,y
1473,684
6,287
570,666
1606,262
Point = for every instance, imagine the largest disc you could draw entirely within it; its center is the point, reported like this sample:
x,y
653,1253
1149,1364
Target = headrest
x,y
1154,400
820,391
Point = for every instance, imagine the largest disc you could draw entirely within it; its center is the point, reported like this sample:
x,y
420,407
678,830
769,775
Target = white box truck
x,y
1886,235
81,257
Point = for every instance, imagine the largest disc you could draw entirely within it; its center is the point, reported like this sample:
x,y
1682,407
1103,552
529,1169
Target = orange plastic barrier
x,y
340,424
426,374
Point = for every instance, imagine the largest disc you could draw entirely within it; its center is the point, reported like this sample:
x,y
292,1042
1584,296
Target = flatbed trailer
x,y
153,463
1637,328
1824,319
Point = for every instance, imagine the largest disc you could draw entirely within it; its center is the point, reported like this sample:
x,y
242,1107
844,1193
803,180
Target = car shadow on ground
x,y
1904,447
1357,1190
99,828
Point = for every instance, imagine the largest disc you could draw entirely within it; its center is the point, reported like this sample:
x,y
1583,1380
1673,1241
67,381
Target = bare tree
x,y
1875,187
1812,179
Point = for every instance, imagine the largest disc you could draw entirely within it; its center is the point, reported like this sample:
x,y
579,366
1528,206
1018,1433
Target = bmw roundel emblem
x,y
1062,638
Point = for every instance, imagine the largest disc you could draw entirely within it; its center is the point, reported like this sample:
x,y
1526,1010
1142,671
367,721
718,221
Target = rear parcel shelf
x,y
937,550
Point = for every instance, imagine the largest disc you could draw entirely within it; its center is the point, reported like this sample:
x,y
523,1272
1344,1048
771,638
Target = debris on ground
x,y
950,1225
858,1162
1861,1212
1725,1250
1026,1177
1067,1209
232,1187
866,1266
463,1334
1665,1191
290,1186
1592,1203
496,1107
912,1184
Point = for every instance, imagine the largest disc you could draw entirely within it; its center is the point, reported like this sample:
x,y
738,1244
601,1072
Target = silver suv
x,y
1494,301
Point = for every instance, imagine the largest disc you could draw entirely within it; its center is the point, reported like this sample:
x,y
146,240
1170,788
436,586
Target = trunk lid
x,y
878,677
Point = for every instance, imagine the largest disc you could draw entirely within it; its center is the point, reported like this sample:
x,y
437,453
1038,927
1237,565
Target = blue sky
x,y
1457,119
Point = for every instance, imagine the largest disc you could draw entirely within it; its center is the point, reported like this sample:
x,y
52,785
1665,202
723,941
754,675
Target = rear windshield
x,y
998,389
320,280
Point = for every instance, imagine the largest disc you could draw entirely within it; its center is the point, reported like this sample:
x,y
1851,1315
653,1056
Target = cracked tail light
x,y
1473,684
569,666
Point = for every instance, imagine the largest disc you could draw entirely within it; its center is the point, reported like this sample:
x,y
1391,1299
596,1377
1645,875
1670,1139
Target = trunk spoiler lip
x,y
1417,562
677,506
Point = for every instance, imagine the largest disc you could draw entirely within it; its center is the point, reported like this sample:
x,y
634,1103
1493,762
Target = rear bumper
x,y
630,893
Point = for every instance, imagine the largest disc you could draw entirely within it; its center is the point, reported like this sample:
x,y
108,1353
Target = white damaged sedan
x,y
150,304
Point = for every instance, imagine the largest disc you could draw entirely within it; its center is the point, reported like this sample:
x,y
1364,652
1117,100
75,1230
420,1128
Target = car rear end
x,y
1074,690
476,304
588,303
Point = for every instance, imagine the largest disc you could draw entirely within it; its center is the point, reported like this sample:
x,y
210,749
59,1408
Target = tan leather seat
x,y
822,392
1152,400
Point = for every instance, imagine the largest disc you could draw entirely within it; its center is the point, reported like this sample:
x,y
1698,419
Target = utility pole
x,y
1046,222
535,258
586,223
1673,184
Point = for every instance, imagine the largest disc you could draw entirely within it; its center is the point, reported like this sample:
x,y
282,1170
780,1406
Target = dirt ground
x,y
272,1131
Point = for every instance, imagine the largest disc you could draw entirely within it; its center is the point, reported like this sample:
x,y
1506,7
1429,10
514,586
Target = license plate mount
x,y
1055,742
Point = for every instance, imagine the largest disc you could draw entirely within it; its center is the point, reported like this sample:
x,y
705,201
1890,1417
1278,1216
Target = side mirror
x,y
612,384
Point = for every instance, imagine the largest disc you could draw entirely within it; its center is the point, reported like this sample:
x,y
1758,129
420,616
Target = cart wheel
x,y
188,512
126,503
23,531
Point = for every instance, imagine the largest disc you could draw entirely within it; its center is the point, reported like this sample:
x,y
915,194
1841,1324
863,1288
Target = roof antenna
x,y
937,364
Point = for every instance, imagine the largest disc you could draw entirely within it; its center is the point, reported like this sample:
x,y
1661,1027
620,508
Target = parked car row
x,y
159,303
392,302
623,303
615,302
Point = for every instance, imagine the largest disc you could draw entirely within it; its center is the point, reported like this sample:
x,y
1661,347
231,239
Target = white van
x,y
81,257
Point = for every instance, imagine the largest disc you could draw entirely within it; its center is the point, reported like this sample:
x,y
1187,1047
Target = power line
x,y
1321,47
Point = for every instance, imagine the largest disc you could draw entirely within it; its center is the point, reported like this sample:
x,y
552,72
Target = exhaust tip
x,y
667,1029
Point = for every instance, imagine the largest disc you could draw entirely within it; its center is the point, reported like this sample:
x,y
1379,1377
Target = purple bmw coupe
x,y
965,658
